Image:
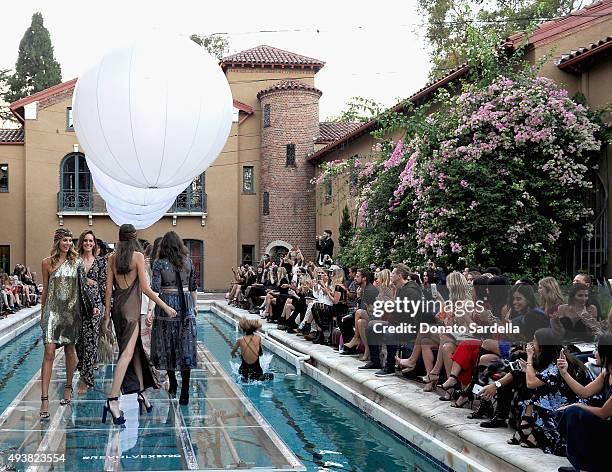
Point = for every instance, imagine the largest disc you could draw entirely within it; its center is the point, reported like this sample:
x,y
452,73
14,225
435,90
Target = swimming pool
x,y
321,429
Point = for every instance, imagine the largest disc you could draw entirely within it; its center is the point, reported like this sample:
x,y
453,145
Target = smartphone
x,y
476,389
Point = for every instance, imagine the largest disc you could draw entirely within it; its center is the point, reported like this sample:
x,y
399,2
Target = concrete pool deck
x,y
403,398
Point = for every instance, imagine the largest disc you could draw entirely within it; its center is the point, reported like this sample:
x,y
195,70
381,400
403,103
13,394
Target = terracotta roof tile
x,y
416,98
571,60
289,85
331,131
12,136
270,56
594,13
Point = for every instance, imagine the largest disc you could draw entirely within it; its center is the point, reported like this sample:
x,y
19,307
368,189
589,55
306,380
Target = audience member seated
x,y
587,429
354,326
576,321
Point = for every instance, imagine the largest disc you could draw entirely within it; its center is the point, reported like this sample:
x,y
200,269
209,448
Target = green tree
x,y
445,21
36,68
5,113
358,109
346,229
215,44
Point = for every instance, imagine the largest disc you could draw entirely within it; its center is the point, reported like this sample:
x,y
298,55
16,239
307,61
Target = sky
x,y
371,49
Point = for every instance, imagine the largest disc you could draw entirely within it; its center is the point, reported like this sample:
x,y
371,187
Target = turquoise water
x,y
322,430
319,427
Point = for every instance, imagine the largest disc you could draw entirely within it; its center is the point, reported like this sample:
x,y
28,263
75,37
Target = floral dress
x,y
543,405
87,347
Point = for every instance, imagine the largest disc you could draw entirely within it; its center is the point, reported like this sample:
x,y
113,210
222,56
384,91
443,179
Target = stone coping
x,y
406,399
15,324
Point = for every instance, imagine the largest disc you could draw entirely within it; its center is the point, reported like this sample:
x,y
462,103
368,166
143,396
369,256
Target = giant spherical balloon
x,y
154,114
140,221
132,199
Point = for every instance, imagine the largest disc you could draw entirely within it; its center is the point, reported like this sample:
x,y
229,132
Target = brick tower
x,y
290,127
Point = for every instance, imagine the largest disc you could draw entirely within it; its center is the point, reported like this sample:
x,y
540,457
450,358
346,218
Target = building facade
x,y
240,208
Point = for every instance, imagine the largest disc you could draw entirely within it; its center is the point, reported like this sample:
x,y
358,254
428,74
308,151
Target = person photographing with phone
x,y
540,392
588,429
325,246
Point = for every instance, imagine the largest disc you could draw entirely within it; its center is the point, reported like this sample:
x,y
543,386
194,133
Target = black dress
x,y
251,372
281,298
587,435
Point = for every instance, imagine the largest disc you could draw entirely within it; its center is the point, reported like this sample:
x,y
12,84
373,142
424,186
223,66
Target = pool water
x,y
321,429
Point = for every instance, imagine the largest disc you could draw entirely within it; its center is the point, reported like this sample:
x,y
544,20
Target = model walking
x,y
174,340
63,276
95,286
126,274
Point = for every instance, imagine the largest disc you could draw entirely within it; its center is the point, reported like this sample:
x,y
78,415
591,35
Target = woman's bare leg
x,y
71,363
361,326
122,364
45,374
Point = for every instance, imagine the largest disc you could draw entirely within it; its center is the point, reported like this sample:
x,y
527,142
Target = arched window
x,y
75,184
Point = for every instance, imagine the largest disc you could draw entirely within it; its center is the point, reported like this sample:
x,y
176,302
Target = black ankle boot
x,y
173,384
185,375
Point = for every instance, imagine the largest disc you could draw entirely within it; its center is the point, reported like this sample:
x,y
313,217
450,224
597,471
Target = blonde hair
x,y
552,292
384,278
249,325
337,277
281,273
458,288
71,255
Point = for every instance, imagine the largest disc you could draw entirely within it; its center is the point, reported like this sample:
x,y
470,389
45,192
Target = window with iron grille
x,y
266,116
4,182
328,191
248,254
69,121
266,203
75,184
290,155
248,183
193,198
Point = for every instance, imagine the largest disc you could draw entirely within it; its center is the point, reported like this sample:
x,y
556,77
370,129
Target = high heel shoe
x,y
44,415
467,396
430,381
142,402
450,389
66,401
485,410
118,420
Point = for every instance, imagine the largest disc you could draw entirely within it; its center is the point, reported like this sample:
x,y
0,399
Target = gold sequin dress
x,y
61,318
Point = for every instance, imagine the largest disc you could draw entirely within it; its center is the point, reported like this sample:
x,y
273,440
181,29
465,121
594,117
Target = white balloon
x,y
141,221
154,114
130,198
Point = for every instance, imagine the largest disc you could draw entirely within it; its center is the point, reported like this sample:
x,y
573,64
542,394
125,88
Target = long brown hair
x,y
173,249
80,249
71,255
127,245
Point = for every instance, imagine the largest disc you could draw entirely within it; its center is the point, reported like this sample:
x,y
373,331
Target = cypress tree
x,y
346,229
36,68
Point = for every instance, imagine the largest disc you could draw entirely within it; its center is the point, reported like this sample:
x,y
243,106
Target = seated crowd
x,y
551,382
18,290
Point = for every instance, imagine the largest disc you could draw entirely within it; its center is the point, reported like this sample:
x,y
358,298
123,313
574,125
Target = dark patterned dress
x,y
174,340
544,404
87,347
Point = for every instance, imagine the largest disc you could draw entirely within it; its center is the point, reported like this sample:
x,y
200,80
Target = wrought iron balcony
x,y
189,202
72,201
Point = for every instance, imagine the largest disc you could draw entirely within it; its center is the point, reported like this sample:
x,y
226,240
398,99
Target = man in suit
x,y
325,246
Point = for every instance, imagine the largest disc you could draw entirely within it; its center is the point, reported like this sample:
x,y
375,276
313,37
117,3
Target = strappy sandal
x,y
527,423
450,390
44,415
66,401
430,381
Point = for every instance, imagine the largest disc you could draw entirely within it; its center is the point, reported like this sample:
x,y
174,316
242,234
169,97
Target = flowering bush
x,y
497,176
